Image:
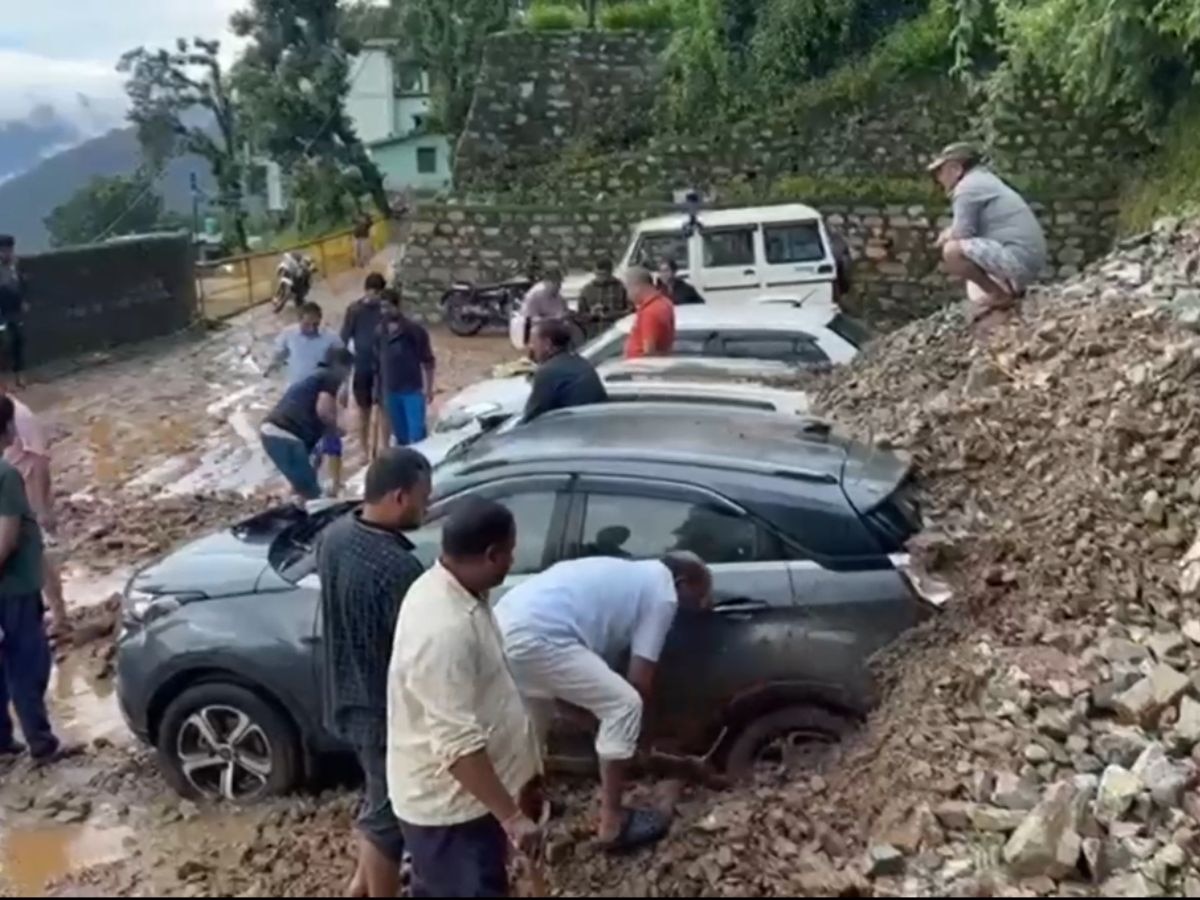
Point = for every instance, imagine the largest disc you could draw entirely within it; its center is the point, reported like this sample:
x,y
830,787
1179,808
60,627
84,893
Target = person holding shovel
x,y
564,630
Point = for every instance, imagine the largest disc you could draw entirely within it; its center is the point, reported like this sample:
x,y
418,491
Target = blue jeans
x,y
406,409
25,662
294,462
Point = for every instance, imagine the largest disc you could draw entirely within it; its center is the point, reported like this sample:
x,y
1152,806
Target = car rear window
x,y
796,242
850,330
793,349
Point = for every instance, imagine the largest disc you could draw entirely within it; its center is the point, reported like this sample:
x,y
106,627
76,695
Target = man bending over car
x,y
564,630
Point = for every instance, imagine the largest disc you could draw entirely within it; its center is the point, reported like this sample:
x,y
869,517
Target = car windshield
x,y
292,549
652,249
850,330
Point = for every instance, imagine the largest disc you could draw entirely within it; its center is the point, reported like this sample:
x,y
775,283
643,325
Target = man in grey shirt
x,y
995,243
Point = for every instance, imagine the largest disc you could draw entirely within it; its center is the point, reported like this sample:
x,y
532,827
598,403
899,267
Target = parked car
x,y
799,337
219,662
625,384
736,255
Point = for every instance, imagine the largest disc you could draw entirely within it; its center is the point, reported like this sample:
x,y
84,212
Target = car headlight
x,y
456,419
141,608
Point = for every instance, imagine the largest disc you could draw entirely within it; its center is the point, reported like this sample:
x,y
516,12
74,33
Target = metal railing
x,y
226,287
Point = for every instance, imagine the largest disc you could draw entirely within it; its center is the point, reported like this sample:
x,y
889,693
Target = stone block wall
x,y
896,275
539,92
85,299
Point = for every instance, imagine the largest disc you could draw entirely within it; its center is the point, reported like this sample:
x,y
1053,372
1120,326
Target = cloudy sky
x,y
58,81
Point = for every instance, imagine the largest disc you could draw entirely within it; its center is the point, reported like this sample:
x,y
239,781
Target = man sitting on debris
x,y
995,243
307,413
563,631
563,378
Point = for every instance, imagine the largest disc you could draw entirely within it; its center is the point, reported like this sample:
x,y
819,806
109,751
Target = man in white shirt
x,y
566,628
462,752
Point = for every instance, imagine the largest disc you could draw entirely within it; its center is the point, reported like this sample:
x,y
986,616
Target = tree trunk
x,y
593,11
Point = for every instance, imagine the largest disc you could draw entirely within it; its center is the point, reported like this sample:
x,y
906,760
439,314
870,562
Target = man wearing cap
x,y
995,243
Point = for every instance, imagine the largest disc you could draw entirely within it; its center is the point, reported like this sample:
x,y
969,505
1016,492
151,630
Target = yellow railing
x,y
226,287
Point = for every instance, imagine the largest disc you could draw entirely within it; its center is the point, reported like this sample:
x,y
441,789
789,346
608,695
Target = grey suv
x,y
218,664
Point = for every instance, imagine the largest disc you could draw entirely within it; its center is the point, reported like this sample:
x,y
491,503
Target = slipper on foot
x,y
639,828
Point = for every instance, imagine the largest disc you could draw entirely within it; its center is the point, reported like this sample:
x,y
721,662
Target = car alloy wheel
x,y
224,754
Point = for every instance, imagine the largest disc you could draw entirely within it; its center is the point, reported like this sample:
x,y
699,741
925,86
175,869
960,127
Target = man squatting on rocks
x,y
995,243
563,631
463,757
366,567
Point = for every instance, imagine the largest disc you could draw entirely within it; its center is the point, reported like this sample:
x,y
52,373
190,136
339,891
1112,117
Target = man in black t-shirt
x,y
307,412
366,566
678,289
563,378
360,332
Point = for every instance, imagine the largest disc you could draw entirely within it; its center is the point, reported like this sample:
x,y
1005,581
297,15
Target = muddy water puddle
x,y
84,707
31,857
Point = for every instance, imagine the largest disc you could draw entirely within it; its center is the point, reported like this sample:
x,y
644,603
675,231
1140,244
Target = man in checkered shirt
x,y
366,567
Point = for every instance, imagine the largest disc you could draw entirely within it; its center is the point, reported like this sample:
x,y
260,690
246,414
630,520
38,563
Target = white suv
x,y
794,338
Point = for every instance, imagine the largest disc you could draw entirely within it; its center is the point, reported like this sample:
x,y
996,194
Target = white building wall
x,y
370,101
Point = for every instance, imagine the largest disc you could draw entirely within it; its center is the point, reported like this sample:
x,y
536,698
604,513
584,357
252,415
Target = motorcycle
x,y
467,307
294,280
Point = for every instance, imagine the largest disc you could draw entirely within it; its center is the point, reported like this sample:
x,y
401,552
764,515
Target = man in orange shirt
x,y
653,331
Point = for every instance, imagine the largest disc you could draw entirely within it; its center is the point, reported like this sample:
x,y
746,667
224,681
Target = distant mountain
x,y
27,199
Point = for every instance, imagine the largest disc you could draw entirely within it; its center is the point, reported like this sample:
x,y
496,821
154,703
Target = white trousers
x,y
546,672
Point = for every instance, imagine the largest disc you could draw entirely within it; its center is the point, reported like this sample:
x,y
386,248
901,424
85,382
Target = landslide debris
x,y
1040,736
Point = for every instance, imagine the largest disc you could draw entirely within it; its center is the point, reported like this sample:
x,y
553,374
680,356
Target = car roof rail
x,y
649,456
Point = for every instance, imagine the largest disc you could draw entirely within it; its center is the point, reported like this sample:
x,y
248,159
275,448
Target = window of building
x,y
427,162
418,123
409,80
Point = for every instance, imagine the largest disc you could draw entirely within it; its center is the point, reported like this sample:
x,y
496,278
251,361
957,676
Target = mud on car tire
x,y
805,729
220,741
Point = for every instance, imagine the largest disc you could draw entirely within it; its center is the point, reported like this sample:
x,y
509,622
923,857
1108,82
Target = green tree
x,y
447,40
294,77
182,103
107,207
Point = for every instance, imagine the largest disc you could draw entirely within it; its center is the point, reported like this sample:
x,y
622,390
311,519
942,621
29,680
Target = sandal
x,y
639,828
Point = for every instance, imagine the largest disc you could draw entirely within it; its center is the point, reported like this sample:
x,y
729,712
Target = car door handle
x,y
750,272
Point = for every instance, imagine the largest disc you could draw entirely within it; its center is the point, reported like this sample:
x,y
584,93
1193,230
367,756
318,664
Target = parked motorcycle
x,y
294,276
467,307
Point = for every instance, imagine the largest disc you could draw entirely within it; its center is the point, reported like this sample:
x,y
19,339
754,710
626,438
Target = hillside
x,y
27,199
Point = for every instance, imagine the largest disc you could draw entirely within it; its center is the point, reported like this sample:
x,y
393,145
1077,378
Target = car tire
x,y
256,753
808,730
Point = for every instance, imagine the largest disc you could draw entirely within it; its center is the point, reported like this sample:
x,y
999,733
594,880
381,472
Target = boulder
x,y
1167,646
1118,789
1191,630
1012,792
1187,727
1150,696
1165,779
1048,840
883,860
994,819
1120,746
1130,884
954,815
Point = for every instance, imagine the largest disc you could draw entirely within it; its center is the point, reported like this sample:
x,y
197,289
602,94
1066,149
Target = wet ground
x,y
153,445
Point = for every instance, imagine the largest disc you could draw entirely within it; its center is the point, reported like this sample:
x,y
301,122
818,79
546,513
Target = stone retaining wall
x,y
83,299
896,273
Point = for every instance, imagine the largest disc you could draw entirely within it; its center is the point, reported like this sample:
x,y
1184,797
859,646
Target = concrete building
x,y
389,105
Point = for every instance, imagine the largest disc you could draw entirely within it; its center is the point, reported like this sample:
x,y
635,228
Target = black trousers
x,y
14,331
468,860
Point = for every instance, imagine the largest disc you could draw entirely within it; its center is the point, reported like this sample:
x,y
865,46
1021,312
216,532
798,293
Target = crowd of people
x,y
447,697
381,360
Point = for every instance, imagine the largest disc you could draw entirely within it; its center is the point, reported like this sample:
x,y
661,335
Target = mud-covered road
x,y
153,445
